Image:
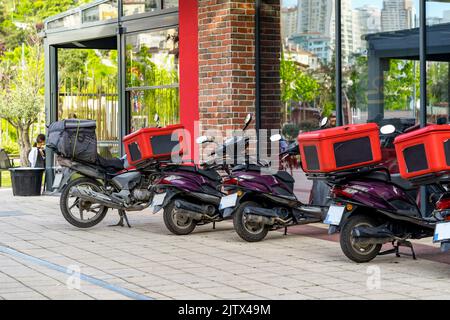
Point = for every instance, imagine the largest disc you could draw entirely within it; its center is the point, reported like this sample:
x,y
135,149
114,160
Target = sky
x,y
434,9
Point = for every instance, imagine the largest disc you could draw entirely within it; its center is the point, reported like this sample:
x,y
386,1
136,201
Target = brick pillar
x,y
270,52
226,63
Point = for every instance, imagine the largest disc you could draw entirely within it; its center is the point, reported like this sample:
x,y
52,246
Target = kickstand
x,y
123,216
214,225
396,249
285,231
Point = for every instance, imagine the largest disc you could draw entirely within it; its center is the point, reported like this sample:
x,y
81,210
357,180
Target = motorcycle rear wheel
x,y
177,223
98,211
248,232
353,251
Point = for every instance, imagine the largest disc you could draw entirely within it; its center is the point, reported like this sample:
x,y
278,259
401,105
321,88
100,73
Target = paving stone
x,y
208,264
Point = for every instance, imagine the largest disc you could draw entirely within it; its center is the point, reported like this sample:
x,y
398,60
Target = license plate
x,y
228,201
57,182
158,199
334,215
441,232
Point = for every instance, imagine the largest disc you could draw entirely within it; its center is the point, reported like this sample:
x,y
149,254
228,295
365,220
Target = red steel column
x,y
189,109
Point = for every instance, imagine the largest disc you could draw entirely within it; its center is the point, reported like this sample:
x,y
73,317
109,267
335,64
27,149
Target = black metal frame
x,y
108,34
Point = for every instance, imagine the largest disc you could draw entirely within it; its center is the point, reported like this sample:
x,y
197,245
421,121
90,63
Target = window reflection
x,y
101,12
153,77
131,7
87,89
167,4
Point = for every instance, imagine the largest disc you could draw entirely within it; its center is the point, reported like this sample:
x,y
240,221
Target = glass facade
x,y
376,84
88,79
153,77
438,91
380,65
87,89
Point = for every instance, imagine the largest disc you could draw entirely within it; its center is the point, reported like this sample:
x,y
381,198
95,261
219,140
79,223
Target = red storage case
x,y
154,143
424,152
340,148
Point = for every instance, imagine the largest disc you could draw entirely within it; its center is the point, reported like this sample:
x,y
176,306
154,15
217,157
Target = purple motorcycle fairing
x,y
264,183
378,194
186,181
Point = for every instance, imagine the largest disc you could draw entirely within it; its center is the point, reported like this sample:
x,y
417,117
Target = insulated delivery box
x,y
341,148
424,152
74,139
154,144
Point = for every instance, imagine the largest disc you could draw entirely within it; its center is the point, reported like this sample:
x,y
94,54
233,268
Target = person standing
x,y
37,153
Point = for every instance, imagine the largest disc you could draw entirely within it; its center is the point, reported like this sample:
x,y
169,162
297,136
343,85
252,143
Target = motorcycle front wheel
x,y
80,213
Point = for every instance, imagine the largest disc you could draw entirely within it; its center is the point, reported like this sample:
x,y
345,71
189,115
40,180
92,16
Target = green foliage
x,y
358,76
11,148
296,85
21,104
437,83
144,68
399,85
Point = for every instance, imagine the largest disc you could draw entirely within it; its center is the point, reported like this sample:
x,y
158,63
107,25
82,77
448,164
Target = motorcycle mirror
x,y
203,139
387,129
248,119
324,122
156,118
275,137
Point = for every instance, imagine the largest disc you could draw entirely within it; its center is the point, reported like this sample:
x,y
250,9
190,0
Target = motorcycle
x,y
261,201
89,190
371,207
190,195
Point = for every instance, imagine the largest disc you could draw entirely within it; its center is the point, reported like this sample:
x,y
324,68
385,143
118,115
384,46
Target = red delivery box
x,y
340,148
154,143
424,151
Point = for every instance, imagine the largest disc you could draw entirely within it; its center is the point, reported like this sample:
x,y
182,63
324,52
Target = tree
x,y
21,98
296,85
399,85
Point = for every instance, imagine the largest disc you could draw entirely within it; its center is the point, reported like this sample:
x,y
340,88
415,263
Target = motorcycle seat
x,y
282,175
110,165
395,179
211,174
403,183
285,177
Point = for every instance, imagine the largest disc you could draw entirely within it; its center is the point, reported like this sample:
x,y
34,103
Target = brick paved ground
x,y
37,246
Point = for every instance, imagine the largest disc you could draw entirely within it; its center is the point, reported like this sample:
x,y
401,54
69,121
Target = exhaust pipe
x,y
97,197
104,200
373,235
314,211
195,211
265,216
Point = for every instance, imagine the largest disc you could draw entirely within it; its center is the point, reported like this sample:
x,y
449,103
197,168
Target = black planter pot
x,y
26,182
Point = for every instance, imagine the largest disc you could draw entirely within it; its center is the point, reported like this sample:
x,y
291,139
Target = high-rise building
x,y
397,15
316,17
369,19
288,21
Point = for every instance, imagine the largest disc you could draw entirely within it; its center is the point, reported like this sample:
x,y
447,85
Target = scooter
x,y
371,207
190,195
260,202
